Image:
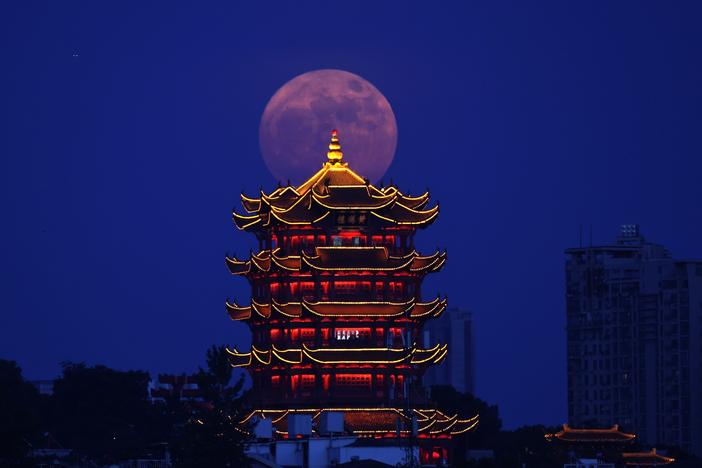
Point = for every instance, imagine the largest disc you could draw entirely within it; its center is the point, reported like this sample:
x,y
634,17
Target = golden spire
x,y
334,154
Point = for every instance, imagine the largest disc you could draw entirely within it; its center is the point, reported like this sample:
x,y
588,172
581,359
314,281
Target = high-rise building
x,y
336,310
454,328
634,334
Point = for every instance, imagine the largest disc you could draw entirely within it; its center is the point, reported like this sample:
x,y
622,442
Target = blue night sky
x,y
129,130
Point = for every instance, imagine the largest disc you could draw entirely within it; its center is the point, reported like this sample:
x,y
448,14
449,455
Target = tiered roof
x,y
337,356
334,192
338,309
337,259
377,422
651,458
608,435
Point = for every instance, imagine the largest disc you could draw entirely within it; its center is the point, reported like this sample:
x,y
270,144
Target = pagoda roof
x,y
338,309
334,189
612,434
338,259
333,356
376,422
651,458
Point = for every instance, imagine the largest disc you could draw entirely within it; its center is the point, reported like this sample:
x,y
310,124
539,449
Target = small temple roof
x,y
376,422
332,356
338,259
334,190
338,309
651,458
612,434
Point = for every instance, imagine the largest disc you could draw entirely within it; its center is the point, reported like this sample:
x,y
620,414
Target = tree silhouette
x,y
102,412
19,415
212,436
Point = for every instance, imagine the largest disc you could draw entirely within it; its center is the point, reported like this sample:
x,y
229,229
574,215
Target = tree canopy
x,y
101,411
19,414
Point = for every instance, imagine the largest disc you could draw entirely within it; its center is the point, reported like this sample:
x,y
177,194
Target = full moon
x,y
296,124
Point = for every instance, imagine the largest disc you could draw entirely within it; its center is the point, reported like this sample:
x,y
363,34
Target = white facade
x,y
323,452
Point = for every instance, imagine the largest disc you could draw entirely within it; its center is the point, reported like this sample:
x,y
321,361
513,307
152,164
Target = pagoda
x,y
336,305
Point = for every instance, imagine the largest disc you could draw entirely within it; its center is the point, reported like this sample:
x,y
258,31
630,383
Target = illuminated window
x,y
336,241
343,334
379,287
307,382
380,336
275,381
307,334
351,288
353,381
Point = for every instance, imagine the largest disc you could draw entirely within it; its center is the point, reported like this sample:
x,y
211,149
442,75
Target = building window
x,y
344,334
308,382
275,381
353,381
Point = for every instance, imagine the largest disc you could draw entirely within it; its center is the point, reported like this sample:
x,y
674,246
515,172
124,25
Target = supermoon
x,y
298,120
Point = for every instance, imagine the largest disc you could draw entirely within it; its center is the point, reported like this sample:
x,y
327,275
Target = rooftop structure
x,y
649,458
599,436
603,448
179,387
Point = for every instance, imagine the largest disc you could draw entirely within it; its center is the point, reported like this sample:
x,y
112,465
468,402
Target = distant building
x,y
590,448
454,328
634,334
184,387
602,448
44,387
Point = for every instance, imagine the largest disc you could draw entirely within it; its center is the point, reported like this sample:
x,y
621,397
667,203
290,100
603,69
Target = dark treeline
x,y
525,446
522,447
104,416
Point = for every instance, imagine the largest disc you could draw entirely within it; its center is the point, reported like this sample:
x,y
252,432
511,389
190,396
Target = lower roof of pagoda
x,y
373,422
337,309
337,356
332,259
